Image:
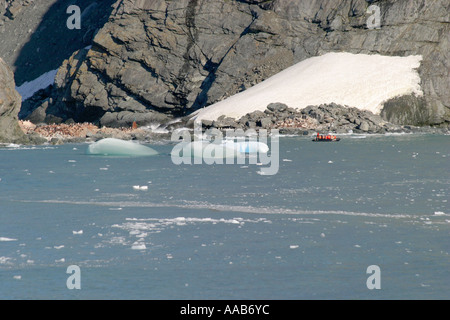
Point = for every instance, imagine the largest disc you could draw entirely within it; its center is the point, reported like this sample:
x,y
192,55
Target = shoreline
x,y
58,134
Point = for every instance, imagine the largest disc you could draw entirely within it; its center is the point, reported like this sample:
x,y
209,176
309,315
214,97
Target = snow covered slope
x,y
27,89
353,80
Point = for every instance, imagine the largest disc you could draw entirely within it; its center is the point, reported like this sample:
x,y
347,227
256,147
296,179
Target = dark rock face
x,y
322,118
414,110
10,100
34,37
169,58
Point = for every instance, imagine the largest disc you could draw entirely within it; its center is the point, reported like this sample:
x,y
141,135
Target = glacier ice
x,y
215,152
249,146
117,147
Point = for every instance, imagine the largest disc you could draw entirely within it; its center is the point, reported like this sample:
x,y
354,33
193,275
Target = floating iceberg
x,y
249,146
207,150
226,149
117,147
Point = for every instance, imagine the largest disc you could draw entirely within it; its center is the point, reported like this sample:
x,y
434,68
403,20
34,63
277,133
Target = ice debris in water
x,y
7,239
138,246
248,146
225,149
117,147
142,188
206,150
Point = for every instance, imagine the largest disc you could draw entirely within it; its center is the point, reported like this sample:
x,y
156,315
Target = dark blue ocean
x,y
225,231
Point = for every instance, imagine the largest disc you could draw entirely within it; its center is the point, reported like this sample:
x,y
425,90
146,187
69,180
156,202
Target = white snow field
x,y
27,89
353,80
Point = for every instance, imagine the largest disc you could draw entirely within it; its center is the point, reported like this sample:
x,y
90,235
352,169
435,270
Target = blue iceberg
x,y
249,146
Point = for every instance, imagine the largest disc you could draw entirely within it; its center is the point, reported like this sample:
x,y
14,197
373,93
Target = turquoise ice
x,y
117,147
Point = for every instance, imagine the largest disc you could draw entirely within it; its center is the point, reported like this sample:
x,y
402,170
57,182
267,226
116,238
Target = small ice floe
x,y
77,232
322,235
58,247
103,169
263,173
439,213
287,160
5,260
72,161
357,246
293,246
7,239
138,246
141,188
61,260
17,277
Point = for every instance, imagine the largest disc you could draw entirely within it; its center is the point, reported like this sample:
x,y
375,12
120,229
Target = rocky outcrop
x,y
312,119
10,100
323,118
158,59
34,38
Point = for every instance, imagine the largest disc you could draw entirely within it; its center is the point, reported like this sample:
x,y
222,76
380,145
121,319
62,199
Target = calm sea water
x,y
225,231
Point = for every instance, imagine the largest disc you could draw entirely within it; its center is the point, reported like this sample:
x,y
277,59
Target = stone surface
x,y
34,37
175,57
10,102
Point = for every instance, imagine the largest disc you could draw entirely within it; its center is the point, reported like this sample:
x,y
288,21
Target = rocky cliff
x,y
158,59
10,100
34,37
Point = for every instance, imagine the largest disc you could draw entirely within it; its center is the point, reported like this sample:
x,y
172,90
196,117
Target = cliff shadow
x,y
53,42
